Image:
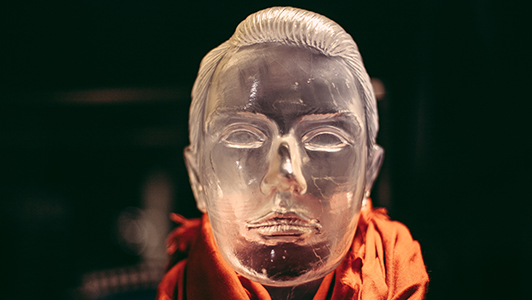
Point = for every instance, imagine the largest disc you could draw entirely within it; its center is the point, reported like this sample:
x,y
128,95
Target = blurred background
x,y
94,104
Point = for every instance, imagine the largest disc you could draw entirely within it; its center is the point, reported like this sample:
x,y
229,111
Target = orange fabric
x,y
384,262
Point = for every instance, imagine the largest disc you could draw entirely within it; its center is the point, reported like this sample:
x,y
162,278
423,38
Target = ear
x,y
193,175
375,157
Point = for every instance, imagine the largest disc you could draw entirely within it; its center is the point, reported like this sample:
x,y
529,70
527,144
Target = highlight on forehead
x,y
275,56
253,70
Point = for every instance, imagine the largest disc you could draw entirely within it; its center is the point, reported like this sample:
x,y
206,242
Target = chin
x,y
282,264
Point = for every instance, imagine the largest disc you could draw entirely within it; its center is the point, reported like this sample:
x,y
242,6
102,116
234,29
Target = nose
x,y
284,172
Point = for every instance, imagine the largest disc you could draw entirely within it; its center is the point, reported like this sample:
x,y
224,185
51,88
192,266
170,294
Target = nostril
x,y
295,189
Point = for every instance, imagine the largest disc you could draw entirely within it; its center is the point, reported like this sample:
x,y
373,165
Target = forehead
x,y
276,60
275,80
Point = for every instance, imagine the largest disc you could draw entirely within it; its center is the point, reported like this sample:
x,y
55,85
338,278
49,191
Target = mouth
x,y
289,225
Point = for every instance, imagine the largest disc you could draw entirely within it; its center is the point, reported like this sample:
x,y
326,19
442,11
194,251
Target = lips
x,y
284,225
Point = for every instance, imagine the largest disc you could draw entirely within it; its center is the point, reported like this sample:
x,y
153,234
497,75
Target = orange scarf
x,y
384,262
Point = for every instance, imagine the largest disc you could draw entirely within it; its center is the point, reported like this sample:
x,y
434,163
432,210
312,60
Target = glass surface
x,y
283,124
284,160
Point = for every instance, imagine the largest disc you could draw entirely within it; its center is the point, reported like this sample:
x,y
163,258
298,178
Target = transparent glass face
x,y
283,162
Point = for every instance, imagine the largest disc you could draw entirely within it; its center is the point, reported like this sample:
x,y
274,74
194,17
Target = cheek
x,y
234,188
238,170
329,174
343,213
344,204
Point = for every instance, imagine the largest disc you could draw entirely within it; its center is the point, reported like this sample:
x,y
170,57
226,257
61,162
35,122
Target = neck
x,y
304,291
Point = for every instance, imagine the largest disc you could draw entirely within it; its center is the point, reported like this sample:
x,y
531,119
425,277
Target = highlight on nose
x,y
284,172
285,169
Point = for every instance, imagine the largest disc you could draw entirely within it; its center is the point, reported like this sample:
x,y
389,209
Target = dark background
x,y
95,95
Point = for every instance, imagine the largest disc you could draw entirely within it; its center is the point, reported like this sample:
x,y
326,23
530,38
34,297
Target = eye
x,y
326,139
243,137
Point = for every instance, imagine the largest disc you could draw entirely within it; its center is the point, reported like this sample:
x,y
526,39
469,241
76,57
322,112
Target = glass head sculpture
x,y
282,127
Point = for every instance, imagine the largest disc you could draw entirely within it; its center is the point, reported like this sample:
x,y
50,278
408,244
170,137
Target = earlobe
x,y
375,159
193,175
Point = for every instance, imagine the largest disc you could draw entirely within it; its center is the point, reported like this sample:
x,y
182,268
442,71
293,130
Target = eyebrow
x,y
335,116
227,112
308,117
231,112
326,116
